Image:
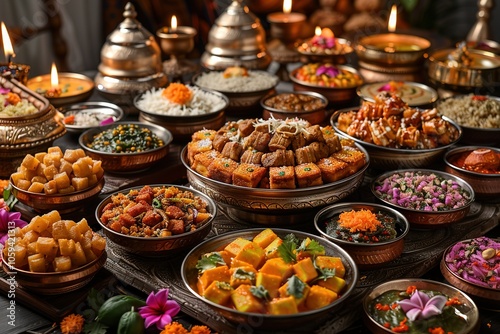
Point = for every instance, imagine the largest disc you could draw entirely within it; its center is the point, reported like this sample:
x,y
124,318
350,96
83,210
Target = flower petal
x,y
163,321
162,296
149,321
152,302
407,304
413,314
172,307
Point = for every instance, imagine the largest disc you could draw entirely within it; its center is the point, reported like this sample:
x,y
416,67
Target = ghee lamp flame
x,y
287,6
54,79
173,22
7,44
317,31
391,26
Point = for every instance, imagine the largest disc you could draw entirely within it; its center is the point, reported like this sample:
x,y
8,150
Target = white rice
x,y
84,118
201,103
23,108
471,113
255,81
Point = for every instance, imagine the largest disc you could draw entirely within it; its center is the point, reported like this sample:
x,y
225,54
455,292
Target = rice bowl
x,y
255,81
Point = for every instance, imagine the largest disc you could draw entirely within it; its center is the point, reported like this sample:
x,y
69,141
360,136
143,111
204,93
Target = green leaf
x,y
95,299
295,287
260,292
94,328
287,251
242,274
325,273
209,261
156,203
313,247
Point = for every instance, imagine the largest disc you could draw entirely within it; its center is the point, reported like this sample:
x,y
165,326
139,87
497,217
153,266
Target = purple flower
x,y
328,70
421,306
159,310
9,221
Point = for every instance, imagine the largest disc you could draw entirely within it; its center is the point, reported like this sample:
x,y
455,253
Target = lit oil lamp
x,y
16,71
62,88
392,48
177,42
285,29
324,46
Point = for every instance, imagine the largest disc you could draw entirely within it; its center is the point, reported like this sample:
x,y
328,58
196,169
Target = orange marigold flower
x,y
72,324
13,98
200,330
177,93
174,328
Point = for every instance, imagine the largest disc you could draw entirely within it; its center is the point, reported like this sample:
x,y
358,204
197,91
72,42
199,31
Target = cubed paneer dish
x,y
270,274
51,244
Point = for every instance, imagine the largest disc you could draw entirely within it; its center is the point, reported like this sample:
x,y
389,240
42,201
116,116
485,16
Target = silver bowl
x,y
486,186
258,321
415,94
274,206
427,219
101,111
54,283
467,307
366,255
182,127
158,246
387,158
127,162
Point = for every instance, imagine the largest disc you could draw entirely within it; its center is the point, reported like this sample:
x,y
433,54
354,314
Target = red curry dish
x,y
481,160
157,211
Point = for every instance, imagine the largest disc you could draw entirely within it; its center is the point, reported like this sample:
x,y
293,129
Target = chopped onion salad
x,y
422,191
476,261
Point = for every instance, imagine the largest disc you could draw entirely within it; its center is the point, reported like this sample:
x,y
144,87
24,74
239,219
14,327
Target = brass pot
x,y
130,61
237,38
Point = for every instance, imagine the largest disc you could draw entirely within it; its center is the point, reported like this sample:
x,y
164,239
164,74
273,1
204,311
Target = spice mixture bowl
x,y
469,265
427,198
456,311
302,313
339,81
477,165
309,106
370,245
126,160
206,110
79,117
164,237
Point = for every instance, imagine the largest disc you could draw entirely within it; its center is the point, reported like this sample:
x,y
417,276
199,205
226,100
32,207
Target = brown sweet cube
x,y
202,160
248,175
198,146
221,169
352,156
332,169
282,177
308,175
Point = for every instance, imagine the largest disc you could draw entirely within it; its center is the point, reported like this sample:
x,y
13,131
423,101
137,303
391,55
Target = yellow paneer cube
x,y
272,249
218,292
300,291
277,266
98,243
30,236
245,301
236,246
319,297
264,238
66,246
39,224
253,254
36,263
335,283
331,262
45,245
78,258
220,274
305,270
270,282
242,275
20,255
285,305
62,263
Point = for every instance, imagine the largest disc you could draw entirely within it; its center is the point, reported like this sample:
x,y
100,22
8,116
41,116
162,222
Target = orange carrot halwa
x,y
361,220
177,93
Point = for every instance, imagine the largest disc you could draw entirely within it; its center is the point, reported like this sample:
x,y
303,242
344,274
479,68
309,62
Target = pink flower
x,y
159,310
330,71
9,221
421,306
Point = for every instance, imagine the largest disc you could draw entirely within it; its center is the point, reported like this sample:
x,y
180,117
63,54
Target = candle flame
x,y
54,78
317,31
173,22
392,19
8,50
287,6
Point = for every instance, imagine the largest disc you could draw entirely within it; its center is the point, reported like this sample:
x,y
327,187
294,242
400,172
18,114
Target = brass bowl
x,y
377,49
55,283
484,296
468,307
335,95
158,246
486,186
335,56
241,100
274,206
414,94
64,203
27,134
466,114
482,72
366,255
127,162
99,110
420,218
314,116
258,321
387,158
182,127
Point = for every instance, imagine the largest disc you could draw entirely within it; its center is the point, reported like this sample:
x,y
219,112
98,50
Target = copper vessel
x,y
237,38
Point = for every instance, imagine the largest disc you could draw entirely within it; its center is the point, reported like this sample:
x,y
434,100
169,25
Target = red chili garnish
x,y
394,305
387,325
437,330
411,289
479,97
382,307
453,301
403,327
